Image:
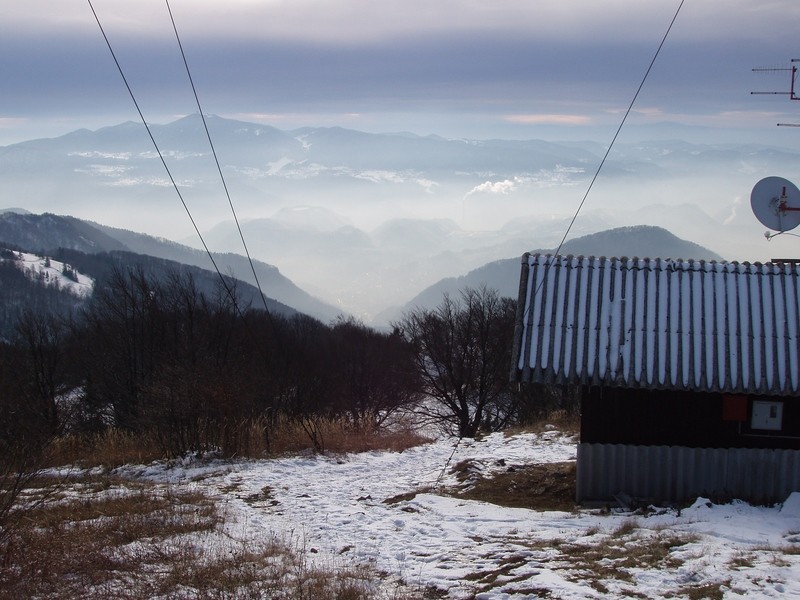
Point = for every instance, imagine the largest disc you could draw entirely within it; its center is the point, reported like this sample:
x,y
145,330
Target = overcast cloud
x,y
517,69
452,67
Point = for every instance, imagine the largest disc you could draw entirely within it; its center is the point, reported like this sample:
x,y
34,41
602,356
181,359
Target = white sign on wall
x,y
767,415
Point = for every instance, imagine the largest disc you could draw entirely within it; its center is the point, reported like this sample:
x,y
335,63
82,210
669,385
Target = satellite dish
x,y
776,203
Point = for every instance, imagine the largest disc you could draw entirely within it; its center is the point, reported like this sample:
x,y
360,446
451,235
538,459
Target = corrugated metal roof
x,y
656,323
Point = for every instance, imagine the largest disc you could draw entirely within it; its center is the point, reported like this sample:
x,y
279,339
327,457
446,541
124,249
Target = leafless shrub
x,y
462,353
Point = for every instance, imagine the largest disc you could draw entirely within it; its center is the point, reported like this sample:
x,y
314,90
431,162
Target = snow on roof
x,y
659,323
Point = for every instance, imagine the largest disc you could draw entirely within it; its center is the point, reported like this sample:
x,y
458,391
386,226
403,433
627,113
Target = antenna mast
x,y
791,93
776,201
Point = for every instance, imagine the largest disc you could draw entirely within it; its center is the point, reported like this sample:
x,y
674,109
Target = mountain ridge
x,y
643,241
48,233
364,220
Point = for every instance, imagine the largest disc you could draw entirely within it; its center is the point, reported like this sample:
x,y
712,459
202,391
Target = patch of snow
x,y
385,509
791,506
98,154
105,170
155,181
427,184
378,176
53,274
277,165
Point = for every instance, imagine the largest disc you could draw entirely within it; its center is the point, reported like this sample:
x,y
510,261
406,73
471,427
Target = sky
x,y
558,69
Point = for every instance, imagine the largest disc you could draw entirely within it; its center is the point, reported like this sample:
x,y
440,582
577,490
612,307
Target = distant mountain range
x,y
360,222
76,242
115,171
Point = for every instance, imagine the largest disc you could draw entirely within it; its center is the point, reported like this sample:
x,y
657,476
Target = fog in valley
x,y
367,221
371,150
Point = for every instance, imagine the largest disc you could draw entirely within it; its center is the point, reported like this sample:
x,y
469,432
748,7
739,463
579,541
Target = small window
x,y
767,415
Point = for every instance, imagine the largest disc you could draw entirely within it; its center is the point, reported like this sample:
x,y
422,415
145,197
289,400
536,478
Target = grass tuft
x,y
141,540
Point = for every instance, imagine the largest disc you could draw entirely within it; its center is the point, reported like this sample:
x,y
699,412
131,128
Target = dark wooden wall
x,y
699,420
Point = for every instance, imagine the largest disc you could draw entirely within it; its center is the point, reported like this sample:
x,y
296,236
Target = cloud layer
x,y
486,66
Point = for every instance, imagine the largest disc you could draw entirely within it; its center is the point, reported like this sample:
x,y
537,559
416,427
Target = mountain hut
x,y
689,372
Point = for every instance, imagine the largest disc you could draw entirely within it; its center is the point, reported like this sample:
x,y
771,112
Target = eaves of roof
x,y
659,323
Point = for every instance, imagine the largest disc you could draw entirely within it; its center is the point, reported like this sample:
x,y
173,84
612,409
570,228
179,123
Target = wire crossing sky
x,y
456,68
560,71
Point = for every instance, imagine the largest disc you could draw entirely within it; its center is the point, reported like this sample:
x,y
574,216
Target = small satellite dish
x,y
776,203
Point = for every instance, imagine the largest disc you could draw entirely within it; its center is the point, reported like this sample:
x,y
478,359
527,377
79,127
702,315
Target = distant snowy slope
x,y
47,233
57,274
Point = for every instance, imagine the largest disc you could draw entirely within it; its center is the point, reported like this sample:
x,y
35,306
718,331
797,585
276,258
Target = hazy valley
x,y
366,222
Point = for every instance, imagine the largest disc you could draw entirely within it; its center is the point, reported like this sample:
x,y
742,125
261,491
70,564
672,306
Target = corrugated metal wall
x,y
656,323
677,473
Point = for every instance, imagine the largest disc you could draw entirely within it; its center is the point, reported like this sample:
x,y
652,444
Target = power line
x,y
216,159
622,123
163,162
611,145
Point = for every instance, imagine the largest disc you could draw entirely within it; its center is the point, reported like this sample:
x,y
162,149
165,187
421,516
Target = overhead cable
x,y
216,159
163,162
608,150
614,139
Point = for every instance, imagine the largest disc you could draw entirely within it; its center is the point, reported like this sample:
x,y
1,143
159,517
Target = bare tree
x,y
372,372
26,429
126,327
462,352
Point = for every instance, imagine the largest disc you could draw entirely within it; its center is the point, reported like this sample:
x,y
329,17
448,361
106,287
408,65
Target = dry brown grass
x,y
606,563
537,487
706,591
603,559
111,448
95,539
624,550
88,544
562,421
248,439
340,436
99,536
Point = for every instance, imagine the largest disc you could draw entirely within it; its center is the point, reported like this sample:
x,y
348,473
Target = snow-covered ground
x,y
335,508
52,273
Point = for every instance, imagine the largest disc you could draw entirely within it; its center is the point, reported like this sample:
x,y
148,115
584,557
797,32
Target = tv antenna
x,y
776,204
791,93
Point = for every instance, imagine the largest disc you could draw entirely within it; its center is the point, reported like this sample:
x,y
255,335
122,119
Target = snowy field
x,y
51,272
336,509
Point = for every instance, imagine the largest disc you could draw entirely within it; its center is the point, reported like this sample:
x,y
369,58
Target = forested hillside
x,y
49,234
24,291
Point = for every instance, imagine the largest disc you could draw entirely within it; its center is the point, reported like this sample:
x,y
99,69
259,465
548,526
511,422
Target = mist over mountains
x,y
503,275
95,250
77,242
365,222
